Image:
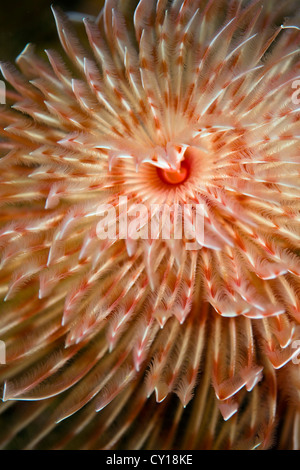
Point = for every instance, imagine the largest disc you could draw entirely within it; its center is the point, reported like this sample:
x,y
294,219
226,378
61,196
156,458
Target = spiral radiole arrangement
x,y
150,230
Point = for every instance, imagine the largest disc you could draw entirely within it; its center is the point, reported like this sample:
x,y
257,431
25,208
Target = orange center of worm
x,y
175,176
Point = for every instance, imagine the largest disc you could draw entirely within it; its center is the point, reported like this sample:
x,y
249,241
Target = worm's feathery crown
x,y
200,89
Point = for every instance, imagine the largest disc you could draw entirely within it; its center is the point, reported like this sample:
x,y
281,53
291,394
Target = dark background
x,y
24,21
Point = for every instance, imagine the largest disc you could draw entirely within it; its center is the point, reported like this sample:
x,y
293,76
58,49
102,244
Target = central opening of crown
x,y
175,163
177,176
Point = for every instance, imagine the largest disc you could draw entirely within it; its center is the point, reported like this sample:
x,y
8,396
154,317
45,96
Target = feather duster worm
x,y
173,102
